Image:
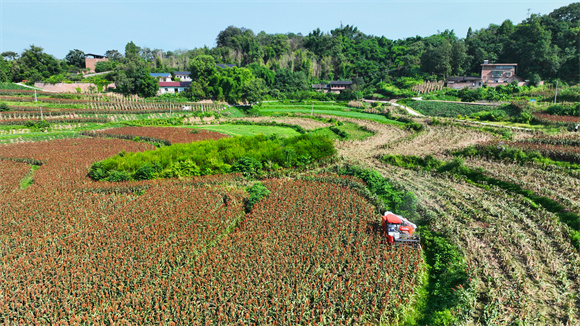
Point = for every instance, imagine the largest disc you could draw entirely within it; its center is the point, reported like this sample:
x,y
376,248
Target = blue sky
x,y
93,26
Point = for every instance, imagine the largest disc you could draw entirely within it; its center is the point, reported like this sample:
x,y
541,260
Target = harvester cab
x,y
399,230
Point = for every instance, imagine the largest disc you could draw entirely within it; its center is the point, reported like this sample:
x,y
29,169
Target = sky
x,y
92,26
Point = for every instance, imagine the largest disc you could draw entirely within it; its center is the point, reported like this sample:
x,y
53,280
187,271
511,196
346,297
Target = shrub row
x,y
560,109
446,109
63,120
129,137
23,160
340,133
248,155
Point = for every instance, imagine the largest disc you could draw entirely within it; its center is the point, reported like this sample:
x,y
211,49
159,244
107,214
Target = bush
x,y
559,109
4,107
257,192
495,115
340,133
147,171
242,154
40,125
248,166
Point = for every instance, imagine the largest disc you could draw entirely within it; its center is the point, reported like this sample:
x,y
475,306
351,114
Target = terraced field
x,y
310,252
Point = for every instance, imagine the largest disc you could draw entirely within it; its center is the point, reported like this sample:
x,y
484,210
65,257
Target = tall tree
x,y
114,55
458,58
132,77
35,65
202,66
437,60
76,58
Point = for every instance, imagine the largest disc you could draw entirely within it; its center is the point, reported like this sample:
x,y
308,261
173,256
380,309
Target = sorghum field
x,y
499,242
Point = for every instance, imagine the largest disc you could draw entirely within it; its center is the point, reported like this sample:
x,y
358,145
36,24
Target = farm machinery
x,y
399,230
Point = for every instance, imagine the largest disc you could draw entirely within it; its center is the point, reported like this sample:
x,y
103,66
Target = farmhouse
x,y
172,87
182,75
492,74
464,81
334,86
161,76
92,59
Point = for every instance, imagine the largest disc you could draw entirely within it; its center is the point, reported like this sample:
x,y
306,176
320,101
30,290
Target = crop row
x,y
169,135
556,118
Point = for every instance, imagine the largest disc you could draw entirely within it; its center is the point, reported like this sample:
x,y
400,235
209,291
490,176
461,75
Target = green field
x,y
353,130
45,105
13,86
335,112
245,130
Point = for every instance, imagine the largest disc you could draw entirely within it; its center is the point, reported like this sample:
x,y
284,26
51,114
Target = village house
x,y
182,75
172,87
492,74
92,59
161,76
334,86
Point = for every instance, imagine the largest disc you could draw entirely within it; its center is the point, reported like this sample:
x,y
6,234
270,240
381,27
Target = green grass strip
x,y
28,179
340,113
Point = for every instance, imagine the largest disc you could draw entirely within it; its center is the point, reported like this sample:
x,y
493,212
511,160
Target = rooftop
x,y
464,78
96,56
160,74
174,84
340,82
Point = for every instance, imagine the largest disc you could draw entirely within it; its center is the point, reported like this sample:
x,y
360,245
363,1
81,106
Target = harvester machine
x,y
398,230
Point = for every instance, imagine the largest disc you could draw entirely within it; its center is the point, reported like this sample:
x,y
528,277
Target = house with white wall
x,y
161,76
172,87
182,75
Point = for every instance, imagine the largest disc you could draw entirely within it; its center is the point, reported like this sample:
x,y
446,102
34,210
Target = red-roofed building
x,y
172,87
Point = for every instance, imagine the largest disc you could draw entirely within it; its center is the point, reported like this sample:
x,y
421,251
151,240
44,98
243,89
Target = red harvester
x,y
399,230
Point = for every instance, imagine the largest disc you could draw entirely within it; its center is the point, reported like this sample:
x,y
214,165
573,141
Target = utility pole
x,y
34,95
556,93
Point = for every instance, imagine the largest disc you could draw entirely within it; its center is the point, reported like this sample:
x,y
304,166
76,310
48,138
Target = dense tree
x,y
75,58
202,67
114,55
437,59
35,65
132,77
10,55
458,58
5,71
132,51
543,46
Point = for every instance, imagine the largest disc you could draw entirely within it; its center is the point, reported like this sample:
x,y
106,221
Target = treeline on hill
x,y
248,155
285,65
